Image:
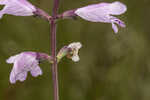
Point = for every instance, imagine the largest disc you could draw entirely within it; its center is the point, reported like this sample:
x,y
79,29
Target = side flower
x,y
25,62
71,51
17,8
103,12
74,47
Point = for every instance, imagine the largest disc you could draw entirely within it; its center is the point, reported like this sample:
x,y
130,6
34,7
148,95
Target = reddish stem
x,y
53,50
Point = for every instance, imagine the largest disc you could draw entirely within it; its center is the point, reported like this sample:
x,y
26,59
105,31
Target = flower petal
x,y
115,28
17,74
36,71
12,76
21,76
117,21
117,8
75,45
2,2
1,14
12,59
75,58
94,13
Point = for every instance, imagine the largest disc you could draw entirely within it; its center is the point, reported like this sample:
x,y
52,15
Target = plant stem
x,y
53,50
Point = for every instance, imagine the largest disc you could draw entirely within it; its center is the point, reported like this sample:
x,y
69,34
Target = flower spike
x,y
103,12
17,8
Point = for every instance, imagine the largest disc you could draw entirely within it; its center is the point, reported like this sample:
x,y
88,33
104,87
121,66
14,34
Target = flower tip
x,y
123,25
36,72
78,44
75,58
115,28
12,82
118,8
12,59
2,2
9,60
120,3
1,14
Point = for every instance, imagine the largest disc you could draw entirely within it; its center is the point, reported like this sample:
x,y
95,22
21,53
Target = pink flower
x,y
103,12
17,8
24,62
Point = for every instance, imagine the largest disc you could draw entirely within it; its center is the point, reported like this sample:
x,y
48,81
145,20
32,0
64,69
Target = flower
x,y
75,46
24,62
17,8
103,12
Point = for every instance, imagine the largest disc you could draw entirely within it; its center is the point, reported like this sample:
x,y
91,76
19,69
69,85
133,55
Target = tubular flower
x,y
17,8
24,62
75,46
103,12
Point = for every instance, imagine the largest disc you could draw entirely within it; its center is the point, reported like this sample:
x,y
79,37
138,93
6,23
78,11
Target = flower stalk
x,y
53,50
41,13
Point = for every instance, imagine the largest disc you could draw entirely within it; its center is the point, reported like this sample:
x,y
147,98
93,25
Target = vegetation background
x,y
112,66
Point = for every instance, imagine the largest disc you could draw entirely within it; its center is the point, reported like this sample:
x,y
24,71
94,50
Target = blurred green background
x,y
111,67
